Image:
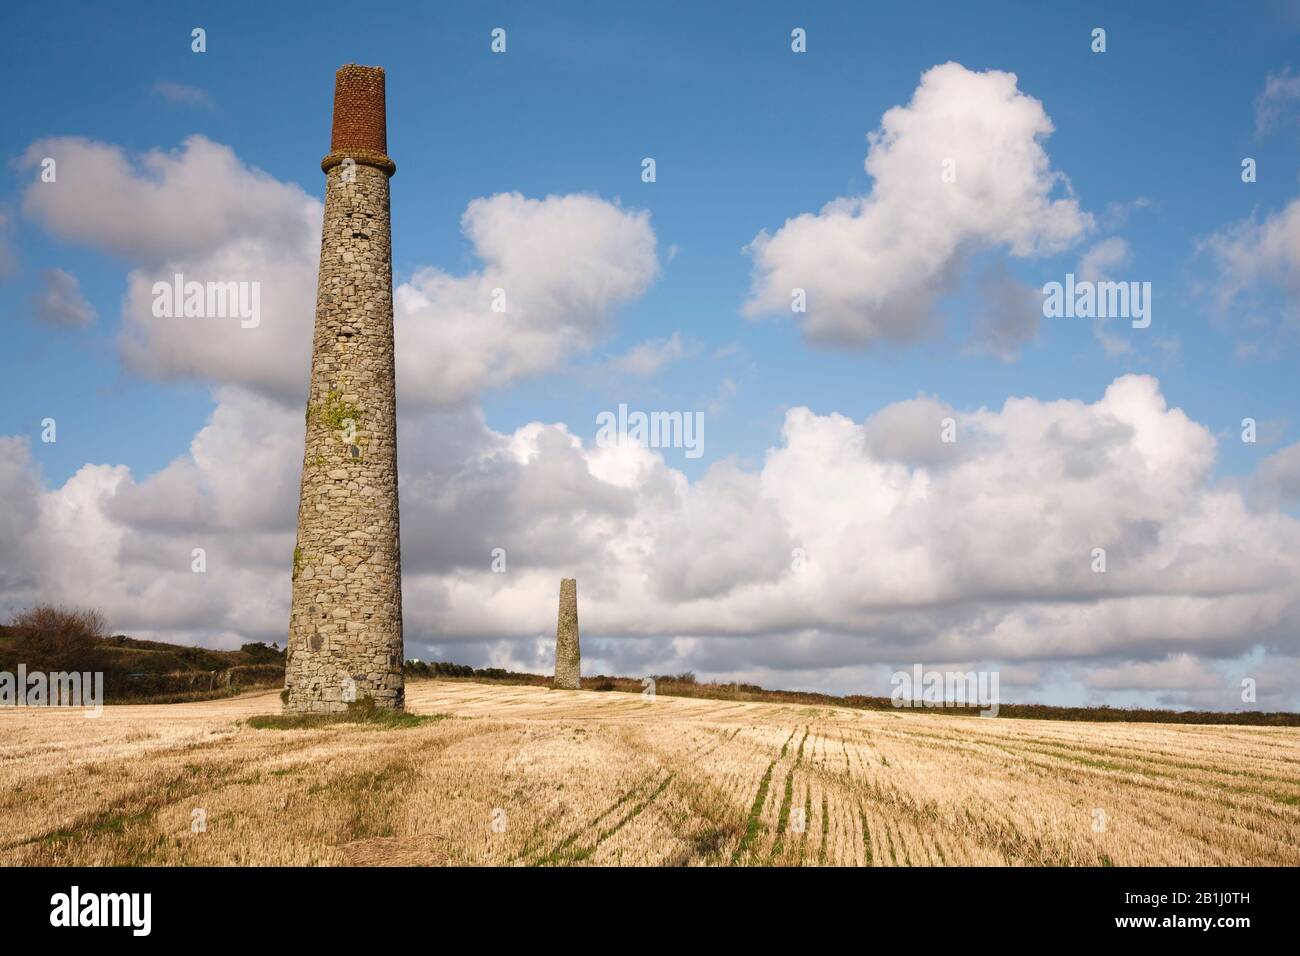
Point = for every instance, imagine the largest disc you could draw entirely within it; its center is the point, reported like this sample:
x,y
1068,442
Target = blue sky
x,y
746,134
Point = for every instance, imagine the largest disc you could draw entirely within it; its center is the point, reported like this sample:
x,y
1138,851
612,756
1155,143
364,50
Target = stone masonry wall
x,y
568,657
345,631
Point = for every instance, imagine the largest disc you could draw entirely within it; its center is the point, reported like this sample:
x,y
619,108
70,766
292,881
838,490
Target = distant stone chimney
x,y
345,626
568,667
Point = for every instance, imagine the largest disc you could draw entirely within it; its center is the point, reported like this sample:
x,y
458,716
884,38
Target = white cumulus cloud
x,y
563,263
558,267
873,266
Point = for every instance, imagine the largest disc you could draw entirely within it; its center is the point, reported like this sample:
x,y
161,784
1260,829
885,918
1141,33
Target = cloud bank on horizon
x,y
854,547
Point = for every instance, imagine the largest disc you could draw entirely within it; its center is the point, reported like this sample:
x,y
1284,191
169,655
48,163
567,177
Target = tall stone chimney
x,y
345,626
568,659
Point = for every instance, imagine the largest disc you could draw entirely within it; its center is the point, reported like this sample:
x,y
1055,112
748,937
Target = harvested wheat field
x,y
524,775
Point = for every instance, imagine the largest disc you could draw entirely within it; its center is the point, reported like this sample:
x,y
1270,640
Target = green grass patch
x,y
783,816
363,712
866,836
754,824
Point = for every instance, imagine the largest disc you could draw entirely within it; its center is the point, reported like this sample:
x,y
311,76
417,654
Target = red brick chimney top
x,y
360,119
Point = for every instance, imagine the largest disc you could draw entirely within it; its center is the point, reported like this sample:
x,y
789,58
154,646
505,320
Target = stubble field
x,y
513,775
